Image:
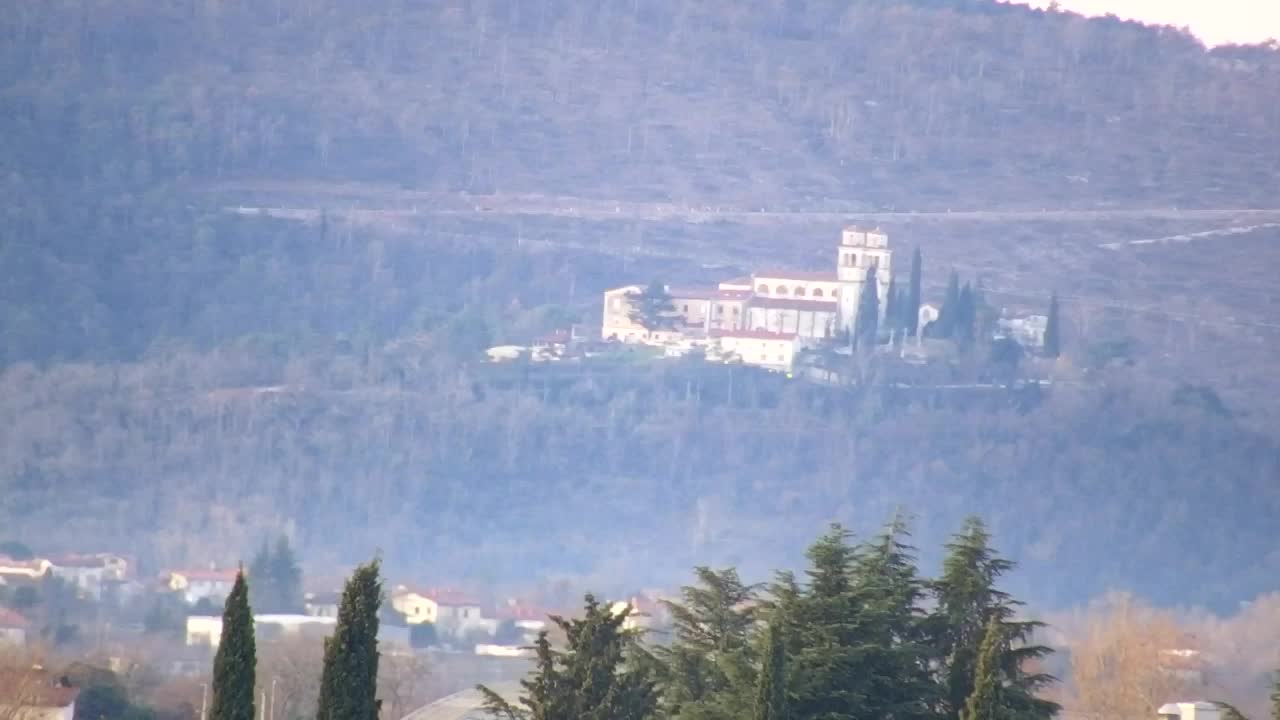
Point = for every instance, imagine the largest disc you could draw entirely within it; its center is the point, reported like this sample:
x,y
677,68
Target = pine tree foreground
x,y
235,663
348,683
771,693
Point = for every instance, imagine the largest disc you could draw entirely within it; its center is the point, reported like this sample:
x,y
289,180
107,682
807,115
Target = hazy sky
x,y
1213,21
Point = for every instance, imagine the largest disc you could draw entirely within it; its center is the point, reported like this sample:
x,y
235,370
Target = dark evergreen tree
x,y
965,317
1052,331
893,308
652,308
707,670
236,662
867,321
277,579
1230,712
985,702
967,600
600,675
1275,696
947,322
897,662
829,670
350,675
911,310
771,688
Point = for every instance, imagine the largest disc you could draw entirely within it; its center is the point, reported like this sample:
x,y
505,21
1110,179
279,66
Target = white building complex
x,y
765,318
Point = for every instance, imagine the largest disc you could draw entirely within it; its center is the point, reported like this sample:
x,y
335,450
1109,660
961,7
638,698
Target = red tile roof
x,y
34,688
801,275
708,294
11,619
795,304
753,334
207,575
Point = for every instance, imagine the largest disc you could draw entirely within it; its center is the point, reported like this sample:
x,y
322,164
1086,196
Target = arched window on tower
x,y
799,291
763,289
817,292
780,290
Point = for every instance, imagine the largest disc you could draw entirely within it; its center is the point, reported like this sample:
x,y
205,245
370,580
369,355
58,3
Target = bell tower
x,y
859,250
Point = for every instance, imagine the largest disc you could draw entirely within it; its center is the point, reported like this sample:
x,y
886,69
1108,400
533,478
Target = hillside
x,y
961,104
180,380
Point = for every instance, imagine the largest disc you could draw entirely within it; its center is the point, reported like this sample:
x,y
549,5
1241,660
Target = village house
x,y
805,306
27,570
451,611
13,628
36,694
197,585
88,573
324,604
206,630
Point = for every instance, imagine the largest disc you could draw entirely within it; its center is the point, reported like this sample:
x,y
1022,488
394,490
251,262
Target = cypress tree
x,y
947,317
867,321
350,675
236,662
771,689
911,310
1052,332
985,702
893,306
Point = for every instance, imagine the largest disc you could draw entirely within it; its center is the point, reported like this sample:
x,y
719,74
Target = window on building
x,y
684,308
817,292
799,292
780,290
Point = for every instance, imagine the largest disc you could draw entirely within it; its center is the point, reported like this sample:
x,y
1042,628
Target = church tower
x,y
859,250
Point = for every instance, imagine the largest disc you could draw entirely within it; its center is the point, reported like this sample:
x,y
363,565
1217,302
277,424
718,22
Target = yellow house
x,y
434,606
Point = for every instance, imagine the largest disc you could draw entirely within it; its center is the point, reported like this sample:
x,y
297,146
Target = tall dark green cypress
x,y
893,307
771,687
985,702
236,662
1052,330
911,311
948,315
867,322
350,676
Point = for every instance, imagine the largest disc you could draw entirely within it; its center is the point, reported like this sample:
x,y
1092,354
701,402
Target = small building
x,y
197,585
28,570
323,604
13,628
36,694
206,630
1027,330
1190,711
445,608
770,350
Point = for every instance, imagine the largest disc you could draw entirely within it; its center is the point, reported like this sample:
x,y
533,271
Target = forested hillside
x,y
177,381
763,103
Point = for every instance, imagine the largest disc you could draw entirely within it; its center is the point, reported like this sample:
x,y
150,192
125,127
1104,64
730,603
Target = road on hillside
x,y
464,705
390,202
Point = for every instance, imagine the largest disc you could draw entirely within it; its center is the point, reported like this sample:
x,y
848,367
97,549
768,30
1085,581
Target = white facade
x,y
1191,711
860,251
773,351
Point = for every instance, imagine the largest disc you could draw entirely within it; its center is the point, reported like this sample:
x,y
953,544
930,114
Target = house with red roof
x,y
452,611
196,585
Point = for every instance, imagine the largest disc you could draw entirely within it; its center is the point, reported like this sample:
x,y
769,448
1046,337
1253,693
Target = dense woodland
x,y
177,381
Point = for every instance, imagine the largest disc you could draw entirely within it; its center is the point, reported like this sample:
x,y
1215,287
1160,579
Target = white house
x,y
206,630
452,612
774,351
197,585
322,604
23,569
35,694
